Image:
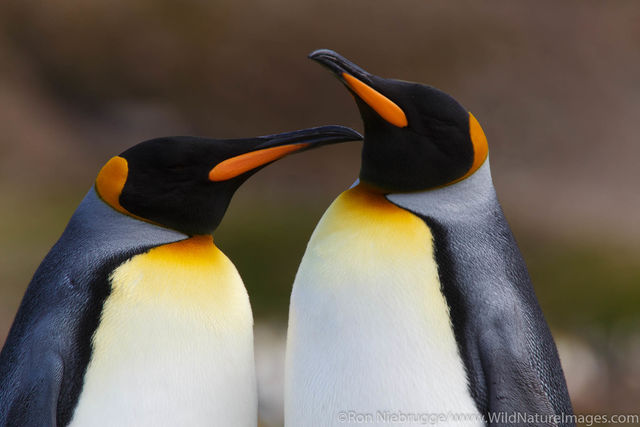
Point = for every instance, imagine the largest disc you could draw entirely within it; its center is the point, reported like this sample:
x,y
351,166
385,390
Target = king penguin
x,y
412,300
135,317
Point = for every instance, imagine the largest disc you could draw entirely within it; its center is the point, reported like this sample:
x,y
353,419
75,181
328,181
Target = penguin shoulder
x,y
49,343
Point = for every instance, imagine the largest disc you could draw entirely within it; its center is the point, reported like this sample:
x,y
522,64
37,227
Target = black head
x,y
186,183
416,137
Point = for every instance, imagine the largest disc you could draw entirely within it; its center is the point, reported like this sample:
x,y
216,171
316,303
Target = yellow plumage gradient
x,y
362,223
369,327
364,234
176,329
192,274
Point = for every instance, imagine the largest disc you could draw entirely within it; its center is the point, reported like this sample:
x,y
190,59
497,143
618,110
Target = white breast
x,y
174,345
369,330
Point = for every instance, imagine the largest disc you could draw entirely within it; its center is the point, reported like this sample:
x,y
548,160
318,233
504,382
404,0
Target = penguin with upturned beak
x,y
412,296
135,317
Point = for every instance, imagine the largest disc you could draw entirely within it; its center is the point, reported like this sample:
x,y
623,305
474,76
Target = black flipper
x,y
514,386
35,397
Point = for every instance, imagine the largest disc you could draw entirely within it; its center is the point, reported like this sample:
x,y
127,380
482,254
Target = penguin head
x,y
416,137
186,183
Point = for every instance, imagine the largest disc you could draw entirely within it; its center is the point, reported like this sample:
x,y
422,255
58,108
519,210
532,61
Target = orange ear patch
x,y
386,108
234,166
480,148
480,145
111,180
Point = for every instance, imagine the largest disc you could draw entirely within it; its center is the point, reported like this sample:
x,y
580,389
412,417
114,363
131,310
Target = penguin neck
x,y
102,231
475,188
474,195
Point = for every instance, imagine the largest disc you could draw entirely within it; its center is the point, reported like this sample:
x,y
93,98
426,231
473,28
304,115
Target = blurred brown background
x,y
556,86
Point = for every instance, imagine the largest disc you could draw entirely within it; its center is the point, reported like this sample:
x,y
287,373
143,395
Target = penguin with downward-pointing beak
x,y
135,317
412,298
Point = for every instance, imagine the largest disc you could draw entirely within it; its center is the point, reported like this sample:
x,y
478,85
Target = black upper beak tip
x,y
351,134
329,59
322,53
340,133
315,137
339,64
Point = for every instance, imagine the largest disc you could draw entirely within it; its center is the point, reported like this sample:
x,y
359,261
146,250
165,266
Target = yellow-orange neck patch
x,y
190,275
198,247
386,108
364,224
234,166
